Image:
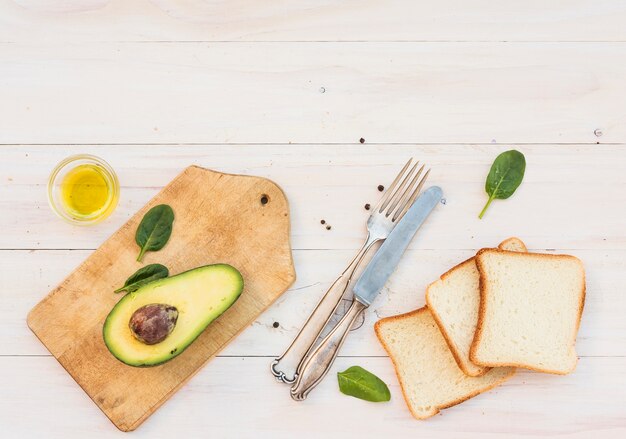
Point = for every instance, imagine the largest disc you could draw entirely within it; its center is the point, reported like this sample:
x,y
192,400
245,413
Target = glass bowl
x,y
58,178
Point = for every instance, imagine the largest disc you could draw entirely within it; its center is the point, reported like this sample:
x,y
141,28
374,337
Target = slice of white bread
x,y
454,300
428,374
530,310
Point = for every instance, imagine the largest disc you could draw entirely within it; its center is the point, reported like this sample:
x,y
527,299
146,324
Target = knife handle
x,y
318,363
285,367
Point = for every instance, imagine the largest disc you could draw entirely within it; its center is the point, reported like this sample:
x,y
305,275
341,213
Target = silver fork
x,y
393,205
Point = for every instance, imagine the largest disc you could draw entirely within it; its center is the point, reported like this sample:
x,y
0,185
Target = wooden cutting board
x,y
239,220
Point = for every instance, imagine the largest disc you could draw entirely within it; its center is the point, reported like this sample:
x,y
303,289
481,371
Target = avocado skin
x,y
114,321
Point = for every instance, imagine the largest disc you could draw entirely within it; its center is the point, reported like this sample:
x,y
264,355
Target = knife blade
x,y
384,262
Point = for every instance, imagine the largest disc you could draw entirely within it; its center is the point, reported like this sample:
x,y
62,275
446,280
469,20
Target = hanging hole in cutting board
x,y
264,199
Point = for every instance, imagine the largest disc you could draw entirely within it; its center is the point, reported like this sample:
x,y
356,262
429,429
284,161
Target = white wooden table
x,y
285,90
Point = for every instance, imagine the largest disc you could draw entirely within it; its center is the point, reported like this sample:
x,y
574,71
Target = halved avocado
x,y
199,296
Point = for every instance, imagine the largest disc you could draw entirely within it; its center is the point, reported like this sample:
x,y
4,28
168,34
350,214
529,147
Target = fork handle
x,y
285,367
318,363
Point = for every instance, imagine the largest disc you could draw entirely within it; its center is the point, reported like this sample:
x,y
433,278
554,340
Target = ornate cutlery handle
x,y
285,367
318,363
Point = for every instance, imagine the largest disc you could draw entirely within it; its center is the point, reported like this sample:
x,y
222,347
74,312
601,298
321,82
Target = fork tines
x,y
403,191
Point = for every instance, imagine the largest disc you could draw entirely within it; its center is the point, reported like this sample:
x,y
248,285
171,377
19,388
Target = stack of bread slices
x,y
502,309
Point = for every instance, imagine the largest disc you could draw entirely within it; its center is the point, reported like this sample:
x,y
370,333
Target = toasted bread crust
x,y
459,265
436,409
515,239
482,311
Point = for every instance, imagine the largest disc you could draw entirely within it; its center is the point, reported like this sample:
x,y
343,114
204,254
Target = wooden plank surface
x,y
311,20
220,218
312,92
335,182
237,397
285,90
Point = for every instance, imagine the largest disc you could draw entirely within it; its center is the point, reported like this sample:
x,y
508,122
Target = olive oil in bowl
x,y
83,189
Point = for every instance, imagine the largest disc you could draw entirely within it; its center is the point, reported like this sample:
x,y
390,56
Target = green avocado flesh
x,y
200,295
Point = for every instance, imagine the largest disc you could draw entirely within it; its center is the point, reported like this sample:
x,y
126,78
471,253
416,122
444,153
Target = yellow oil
x,y
85,191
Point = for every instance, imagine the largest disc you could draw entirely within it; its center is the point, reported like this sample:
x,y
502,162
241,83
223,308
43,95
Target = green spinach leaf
x,y
358,382
143,276
155,229
506,174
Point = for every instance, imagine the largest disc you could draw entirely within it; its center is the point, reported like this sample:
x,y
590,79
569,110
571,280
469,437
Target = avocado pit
x,y
151,324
